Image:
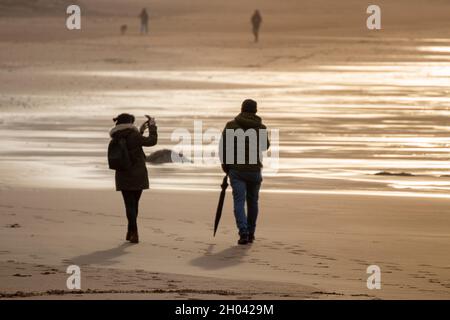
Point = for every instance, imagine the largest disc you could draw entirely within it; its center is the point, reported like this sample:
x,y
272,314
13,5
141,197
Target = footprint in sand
x,y
152,218
67,261
330,259
80,211
47,271
186,221
21,275
157,230
36,208
47,219
321,265
174,281
297,252
13,226
107,215
140,271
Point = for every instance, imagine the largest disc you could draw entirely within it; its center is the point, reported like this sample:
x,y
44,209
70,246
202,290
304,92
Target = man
x,y
256,23
241,146
144,21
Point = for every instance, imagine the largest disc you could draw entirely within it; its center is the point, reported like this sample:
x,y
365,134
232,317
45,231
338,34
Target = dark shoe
x,y
251,238
134,237
127,238
243,239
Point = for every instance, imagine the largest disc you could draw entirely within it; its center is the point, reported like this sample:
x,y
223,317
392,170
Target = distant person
x,y
123,29
256,23
144,21
242,162
126,156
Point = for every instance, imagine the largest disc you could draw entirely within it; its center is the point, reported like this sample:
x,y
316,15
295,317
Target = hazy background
x,y
348,102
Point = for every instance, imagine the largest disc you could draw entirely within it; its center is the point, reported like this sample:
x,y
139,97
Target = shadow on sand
x,y
102,257
223,259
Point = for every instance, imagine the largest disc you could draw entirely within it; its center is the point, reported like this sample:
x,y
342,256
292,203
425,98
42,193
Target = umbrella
x,y
224,186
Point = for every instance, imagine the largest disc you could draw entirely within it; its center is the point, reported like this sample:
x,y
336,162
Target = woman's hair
x,y
124,118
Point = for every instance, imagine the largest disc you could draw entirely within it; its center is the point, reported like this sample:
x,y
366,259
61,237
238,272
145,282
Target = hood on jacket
x,y
247,120
122,129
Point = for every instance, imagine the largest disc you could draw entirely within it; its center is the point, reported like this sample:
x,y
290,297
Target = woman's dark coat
x,y
136,178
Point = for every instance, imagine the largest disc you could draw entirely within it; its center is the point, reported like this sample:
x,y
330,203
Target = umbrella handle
x,y
225,184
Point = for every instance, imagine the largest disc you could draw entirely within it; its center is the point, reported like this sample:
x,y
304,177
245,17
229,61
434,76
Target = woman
x,y
132,181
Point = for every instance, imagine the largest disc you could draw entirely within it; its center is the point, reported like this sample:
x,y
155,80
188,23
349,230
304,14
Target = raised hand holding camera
x,y
150,120
143,127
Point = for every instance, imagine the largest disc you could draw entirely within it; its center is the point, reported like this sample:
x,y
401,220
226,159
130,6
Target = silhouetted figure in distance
x,y
144,21
123,29
256,23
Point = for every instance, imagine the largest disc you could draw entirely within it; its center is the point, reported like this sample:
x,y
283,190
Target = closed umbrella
x,y
224,186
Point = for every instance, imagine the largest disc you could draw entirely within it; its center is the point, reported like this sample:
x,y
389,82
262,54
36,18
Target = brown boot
x,y
134,237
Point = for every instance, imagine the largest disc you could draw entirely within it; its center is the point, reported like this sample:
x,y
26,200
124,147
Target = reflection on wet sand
x,y
343,122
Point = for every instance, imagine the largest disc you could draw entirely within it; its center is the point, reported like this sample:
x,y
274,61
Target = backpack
x,y
118,156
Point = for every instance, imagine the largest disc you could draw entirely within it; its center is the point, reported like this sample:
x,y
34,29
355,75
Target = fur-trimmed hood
x,y
120,127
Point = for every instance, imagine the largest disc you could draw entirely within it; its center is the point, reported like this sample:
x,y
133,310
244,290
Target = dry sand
x,y
305,243
314,241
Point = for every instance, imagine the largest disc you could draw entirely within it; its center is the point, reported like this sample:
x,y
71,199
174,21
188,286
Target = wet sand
x,y
348,104
339,122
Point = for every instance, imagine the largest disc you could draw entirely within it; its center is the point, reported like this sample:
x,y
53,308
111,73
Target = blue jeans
x,y
246,187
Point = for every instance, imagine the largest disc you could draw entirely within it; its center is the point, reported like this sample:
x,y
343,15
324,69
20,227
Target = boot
x,y
127,238
134,236
251,237
243,239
